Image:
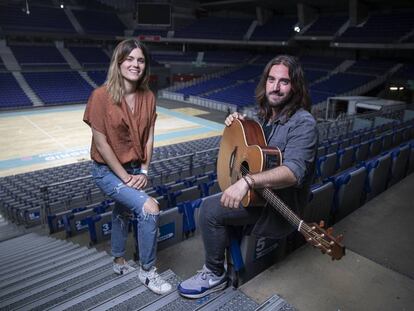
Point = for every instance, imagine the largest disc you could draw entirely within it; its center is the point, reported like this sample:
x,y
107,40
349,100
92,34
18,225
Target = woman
x,y
121,114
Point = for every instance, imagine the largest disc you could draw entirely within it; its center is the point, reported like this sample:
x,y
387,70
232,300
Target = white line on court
x,y
44,132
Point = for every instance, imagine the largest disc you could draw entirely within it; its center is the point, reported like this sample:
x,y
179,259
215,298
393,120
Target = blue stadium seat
x,y
326,166
378,170
399,161
387,141
320,202
375,146
361,151
346,158
349,190
187,209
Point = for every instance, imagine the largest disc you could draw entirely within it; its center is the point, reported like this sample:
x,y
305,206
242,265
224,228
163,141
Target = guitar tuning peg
x,y
339,238
329,230
321,224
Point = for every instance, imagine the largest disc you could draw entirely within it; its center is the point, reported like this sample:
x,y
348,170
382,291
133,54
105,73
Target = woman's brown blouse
x,y
126,131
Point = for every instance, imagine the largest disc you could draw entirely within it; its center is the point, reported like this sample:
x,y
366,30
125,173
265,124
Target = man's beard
x,y
280,102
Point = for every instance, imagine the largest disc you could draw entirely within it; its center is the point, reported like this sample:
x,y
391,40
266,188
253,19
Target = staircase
x,y
68,56
27,89
51,274
85,76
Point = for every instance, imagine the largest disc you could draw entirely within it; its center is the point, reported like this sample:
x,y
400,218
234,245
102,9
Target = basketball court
x,y
46,137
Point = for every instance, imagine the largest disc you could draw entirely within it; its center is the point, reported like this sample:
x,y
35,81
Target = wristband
x,y
143,171
253,182
249,181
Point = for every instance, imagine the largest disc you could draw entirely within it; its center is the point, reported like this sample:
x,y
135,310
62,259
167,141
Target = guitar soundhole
x,y
244,168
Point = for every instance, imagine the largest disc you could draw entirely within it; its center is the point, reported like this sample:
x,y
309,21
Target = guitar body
x,y
243,145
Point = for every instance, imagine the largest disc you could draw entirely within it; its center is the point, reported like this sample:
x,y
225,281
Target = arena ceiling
x,y
290,6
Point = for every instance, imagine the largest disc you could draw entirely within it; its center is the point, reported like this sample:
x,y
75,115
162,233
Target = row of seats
x,y
341,194
323,83
340,155
379,27
70,186
55,20
176,203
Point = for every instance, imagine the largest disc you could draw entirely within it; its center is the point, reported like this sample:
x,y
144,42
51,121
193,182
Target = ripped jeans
x,y
128,201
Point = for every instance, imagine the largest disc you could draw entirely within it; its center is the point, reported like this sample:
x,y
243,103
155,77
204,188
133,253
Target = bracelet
x,y
252,180
143,171
247,182
130,178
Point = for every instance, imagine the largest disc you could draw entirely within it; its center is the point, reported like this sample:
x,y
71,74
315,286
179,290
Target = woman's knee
x,y
151,206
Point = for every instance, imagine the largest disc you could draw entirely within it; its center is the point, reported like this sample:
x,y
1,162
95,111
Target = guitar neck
x,y
281,207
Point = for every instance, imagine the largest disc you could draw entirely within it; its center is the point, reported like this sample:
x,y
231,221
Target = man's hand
x,y
231,117
233,195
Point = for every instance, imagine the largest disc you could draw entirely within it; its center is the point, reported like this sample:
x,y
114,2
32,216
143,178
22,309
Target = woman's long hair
x,y
300,95
114,79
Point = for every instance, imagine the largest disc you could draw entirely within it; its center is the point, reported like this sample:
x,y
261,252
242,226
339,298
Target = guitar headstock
x,y
323,239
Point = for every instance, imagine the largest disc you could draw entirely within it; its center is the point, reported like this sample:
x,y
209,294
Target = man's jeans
x,y
214,222
129,202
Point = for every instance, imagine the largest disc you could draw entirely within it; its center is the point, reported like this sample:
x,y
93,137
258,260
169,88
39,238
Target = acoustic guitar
x,y
243,150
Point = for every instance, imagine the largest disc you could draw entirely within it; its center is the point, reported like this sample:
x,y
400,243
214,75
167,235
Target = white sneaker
x,y
122,269
154,281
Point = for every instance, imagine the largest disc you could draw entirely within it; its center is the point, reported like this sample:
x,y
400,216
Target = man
x,y
284,105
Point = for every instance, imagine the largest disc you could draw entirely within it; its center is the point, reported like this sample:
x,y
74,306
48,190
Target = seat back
x,y
377,175
346,158
326,166
362,151
320,203
398,137
375,147
399,162
387,141
170,228
349,190
332,147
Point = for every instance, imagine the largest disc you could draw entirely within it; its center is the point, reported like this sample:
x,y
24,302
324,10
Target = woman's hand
x,y
231,117
137,181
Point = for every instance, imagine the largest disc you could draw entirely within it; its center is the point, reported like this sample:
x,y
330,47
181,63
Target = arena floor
x,y
51,136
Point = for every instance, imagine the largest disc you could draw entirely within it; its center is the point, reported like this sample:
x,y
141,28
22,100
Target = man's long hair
x,y
114,79
299,96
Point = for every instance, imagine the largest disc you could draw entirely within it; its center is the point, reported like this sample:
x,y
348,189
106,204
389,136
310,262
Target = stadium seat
x,y
320,203
326,166
361,151
349,190
377,175
375,147
387,141
399,162
346,158
170,227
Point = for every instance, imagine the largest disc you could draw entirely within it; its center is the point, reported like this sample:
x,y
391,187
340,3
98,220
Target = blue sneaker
x,y
202,284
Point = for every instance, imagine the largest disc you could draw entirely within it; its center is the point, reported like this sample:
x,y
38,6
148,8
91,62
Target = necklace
x,y
130,100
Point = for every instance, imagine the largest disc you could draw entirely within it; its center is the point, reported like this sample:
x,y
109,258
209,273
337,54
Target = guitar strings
x,y
305,229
